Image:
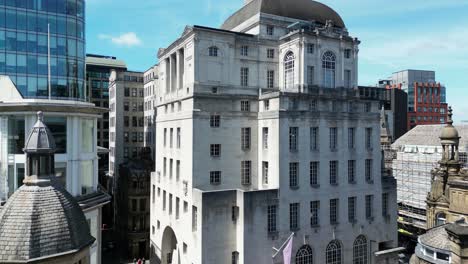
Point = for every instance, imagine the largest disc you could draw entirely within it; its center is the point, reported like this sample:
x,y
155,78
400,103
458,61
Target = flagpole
x,y
48,61
284,244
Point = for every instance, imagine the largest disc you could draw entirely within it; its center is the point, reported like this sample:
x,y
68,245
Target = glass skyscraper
x,y
24,48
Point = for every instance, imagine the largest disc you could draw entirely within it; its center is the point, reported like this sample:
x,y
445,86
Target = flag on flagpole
x,y
287,252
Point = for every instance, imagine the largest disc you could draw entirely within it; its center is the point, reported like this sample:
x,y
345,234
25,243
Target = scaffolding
x,y
411,167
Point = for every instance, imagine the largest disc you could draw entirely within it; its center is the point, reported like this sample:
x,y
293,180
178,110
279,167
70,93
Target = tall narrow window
x,y
215,150
272,213
351,137
347,78
310,48
177,170
310,75
215,177
170,204
369,138
314,213
245,138
265,137
293,174
369,207
368,171
165,137
352,209
329,67
270,53
385,204
245,106
294,216
265,172
289,61
171,137
270,30
304,255
293,138
333,138
244,76
334,211
246,172
270,79
178,138
333,253
194,218
314,173
334,172
244,51
164,166
351,171
314,138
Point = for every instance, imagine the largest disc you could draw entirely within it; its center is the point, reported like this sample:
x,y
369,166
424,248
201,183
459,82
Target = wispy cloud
x,y
129,39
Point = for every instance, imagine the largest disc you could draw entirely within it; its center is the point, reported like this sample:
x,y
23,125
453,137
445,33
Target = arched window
x,y
304,255
440,219
360,250
213,51
329,68
289,70
333,253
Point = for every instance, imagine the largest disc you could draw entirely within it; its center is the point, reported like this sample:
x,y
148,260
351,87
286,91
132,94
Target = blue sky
x,y
395,35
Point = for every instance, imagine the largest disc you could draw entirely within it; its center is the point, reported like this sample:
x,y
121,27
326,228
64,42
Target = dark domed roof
x,y
449,132
41,221
299,9
40,138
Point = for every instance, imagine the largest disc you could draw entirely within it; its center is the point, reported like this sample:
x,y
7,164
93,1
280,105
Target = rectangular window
x,y
293,138
165,137
177,170
351,171
194,218
367,107
314,138
170,204
270,53
244,76
178,138
164,166
294,216
214,120
333,138
177,208
314,173
266,105
347,79
244,51
293,174
215,150
351,138
171,137
265,137
245,172
126,106
164,200
385,204
272,214
334,172
270,79
347,53
310,48
171,165
368,172
352,209
270,30
215,177
265,172
245,106
245,138
369,207
310,75
334,209
315,213
369,138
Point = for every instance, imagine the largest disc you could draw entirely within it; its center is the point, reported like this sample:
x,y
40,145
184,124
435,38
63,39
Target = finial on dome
x,y
40,116
450,115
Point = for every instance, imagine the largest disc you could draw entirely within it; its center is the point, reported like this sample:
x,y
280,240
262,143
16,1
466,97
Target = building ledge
x,y
97,199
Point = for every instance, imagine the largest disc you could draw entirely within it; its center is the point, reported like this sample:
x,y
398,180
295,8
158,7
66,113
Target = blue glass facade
x,y
23,46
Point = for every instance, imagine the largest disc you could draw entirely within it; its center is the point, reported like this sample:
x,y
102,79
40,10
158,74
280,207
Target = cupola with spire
x,y
450,139
42,222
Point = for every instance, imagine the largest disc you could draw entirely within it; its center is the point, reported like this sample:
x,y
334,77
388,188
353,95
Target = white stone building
x,y
261,132
73,125
151,81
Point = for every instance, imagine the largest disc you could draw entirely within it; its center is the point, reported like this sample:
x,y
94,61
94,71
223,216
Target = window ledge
x,y
315,226
294,187
352,182
334,184
316,186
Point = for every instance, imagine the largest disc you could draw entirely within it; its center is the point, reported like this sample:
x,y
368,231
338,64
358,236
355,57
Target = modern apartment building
x,y
26,89
426,98
151,77
261,133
